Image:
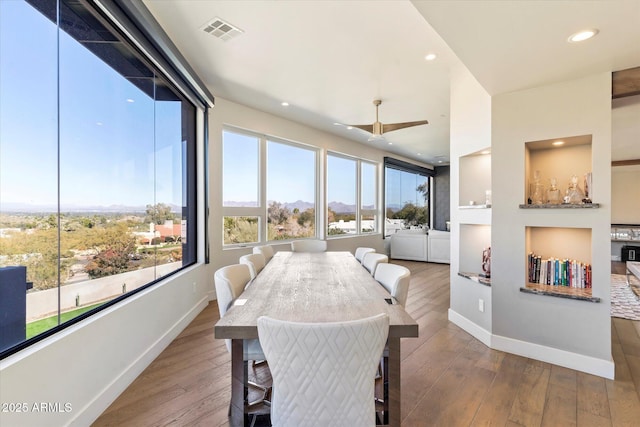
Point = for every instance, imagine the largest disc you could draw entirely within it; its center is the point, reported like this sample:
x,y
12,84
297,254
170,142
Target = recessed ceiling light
x,y
285,104
582,35
439,161
557,143
419,154
391,143
336,124
430,57
129,100
485,152
349,127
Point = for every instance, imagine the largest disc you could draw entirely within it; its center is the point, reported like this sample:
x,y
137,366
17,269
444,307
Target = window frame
x,y
402,166
136,29
359,211
261,211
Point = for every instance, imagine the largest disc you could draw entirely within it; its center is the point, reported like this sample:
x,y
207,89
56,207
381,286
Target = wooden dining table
x,y
312,287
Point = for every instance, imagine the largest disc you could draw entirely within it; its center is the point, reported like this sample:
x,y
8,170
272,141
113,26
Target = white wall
x,y
89,364
240,116
571,333
470,133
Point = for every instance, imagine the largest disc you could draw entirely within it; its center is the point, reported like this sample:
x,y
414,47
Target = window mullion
x,y
358,196
262,196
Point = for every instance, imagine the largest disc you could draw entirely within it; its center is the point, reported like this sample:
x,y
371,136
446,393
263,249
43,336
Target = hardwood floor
x,y
448,377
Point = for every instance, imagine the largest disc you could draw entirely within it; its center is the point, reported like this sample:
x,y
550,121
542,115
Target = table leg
x,y
394,381
239,388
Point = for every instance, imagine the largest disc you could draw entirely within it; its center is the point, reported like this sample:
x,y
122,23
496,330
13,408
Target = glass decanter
x,y
538,190
553,194
574,193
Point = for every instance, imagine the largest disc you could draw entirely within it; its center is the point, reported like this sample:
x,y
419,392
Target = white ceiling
x,y
330,59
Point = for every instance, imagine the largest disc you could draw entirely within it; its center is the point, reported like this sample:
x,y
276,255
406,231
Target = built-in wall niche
x,y
474,239
558,262
559,160
475,180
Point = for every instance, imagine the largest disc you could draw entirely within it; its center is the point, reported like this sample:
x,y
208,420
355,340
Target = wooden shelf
x,y
561,206
560,292
475,277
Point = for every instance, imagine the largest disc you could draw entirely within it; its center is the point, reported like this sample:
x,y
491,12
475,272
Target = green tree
x,y
277,214
412,214
159,213
307,218
115,246
424,190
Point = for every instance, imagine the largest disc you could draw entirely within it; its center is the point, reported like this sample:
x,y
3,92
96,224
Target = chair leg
x,y
382,406
266,392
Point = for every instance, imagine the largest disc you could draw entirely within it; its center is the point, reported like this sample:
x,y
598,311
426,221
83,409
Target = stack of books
x,y
558,272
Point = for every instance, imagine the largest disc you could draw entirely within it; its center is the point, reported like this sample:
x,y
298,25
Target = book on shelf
x,y
558,272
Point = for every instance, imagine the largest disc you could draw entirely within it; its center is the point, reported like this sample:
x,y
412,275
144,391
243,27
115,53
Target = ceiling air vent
x,y
221,29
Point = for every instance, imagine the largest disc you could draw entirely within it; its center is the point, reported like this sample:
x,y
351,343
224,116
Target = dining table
x,y
327,286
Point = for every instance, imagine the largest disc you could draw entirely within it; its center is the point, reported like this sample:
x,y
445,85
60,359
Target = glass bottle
x,y
553,194
538,189
574,194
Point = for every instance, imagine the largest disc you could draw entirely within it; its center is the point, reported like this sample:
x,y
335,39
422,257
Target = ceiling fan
x,y
377,129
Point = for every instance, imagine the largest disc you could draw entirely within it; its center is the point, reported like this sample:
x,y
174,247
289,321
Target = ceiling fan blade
x,y
366,128
395,126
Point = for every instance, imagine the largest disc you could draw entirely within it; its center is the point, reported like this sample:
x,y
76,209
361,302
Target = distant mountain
x,y
298,204
339,207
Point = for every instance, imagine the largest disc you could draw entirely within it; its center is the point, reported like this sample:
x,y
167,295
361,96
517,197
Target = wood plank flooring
x,y
448,378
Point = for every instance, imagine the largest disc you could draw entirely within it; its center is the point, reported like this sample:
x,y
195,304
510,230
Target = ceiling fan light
x,y
376,138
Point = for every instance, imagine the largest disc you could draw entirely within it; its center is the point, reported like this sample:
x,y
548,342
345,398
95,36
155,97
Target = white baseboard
x,y
88,414
467,325
579,362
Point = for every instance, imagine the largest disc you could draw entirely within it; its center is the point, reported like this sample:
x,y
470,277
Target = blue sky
x,y
101,131
107,151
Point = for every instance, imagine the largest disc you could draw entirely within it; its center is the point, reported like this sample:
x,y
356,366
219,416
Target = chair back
x,y
255,262
230,282
361,252
323,373
309,245
395,279
371,261
266,251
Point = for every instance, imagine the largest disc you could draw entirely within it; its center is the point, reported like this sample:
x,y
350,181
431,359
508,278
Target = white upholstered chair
x,y
230,281
255,262
361,252
323,373
266,251
309,245
395,279
371,261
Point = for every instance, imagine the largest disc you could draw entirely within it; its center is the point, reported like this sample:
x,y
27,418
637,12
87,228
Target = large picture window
x,y
407,195
97,169
269,189
351,196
